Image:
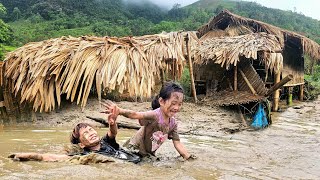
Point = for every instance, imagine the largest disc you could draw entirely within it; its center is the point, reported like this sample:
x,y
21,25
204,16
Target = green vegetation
x,y
185,81
23,21
34,20
5,32
313,82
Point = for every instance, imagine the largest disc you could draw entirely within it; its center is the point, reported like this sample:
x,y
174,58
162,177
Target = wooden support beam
x,y
193,88
279,84
243,120
276,94
248,83
120,124
235,82
289,100
301,89
162,76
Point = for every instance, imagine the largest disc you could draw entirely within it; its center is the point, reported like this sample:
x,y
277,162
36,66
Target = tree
x,y
177,13
5,32
3,11
218,9
16,13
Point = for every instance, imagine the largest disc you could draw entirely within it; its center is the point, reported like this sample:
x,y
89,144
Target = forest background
x,y
23,21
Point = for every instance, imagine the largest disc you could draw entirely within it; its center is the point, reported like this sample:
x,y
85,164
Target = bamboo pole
x,y
248,83
243,120
279,84
289,100
301,88
120,124
191,70
276,94
162,77
235,83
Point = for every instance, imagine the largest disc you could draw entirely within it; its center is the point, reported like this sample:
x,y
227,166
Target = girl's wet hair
x,y
75,135
165,93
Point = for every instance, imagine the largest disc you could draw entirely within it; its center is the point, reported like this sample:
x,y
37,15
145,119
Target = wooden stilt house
x,y
238,52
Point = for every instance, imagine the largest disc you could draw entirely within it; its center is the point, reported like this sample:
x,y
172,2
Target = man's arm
x,y
39,157
113,127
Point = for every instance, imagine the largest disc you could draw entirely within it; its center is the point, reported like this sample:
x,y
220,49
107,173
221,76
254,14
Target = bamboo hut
x,y
230,42
40,72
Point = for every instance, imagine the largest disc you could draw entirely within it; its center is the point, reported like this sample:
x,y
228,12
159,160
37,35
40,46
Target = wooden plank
x,y
235,83
247,81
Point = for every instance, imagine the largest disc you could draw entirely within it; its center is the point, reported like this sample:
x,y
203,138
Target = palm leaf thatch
x,y
226,51
235,25
1,64
40,72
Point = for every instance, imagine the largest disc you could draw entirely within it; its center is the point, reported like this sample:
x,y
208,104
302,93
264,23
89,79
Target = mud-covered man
x,y
87,138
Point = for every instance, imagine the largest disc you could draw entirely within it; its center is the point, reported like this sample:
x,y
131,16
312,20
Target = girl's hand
x,y
110,108
192,157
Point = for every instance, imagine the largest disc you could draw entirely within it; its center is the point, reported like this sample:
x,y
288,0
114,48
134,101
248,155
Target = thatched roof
x,y
41,71
235,25
227,51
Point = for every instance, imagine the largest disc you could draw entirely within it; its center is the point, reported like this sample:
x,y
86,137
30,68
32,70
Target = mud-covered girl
x,y
159,124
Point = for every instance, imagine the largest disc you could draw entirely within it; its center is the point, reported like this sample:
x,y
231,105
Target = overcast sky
x,y
307,7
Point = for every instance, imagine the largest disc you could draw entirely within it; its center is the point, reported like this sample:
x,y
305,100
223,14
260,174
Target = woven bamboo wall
x,y
293,63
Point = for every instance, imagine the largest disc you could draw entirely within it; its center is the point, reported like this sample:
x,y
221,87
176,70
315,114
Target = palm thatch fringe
x,y
41,71
226,51
236,25
1,74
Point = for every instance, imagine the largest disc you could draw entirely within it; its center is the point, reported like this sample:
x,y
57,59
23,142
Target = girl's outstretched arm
x,y
112,108
148,115
181,149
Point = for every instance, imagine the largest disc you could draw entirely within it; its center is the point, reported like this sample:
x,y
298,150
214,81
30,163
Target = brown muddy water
x,y
288,149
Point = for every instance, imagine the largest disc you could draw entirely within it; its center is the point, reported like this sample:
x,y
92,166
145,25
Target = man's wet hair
x,y
165,93
75,135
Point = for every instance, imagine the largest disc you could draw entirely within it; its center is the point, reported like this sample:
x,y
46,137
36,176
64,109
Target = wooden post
x,y
276,94
162,77
243,120
289,100
301,88
193,88
235,83
248,83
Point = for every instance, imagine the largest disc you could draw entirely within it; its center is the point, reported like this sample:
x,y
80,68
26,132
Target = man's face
x,y
88,137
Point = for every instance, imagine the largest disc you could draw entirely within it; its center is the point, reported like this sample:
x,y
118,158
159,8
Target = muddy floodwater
x,y
288,149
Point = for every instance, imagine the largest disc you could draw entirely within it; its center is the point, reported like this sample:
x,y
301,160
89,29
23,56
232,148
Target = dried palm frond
x,y
237,25
227,51
41,71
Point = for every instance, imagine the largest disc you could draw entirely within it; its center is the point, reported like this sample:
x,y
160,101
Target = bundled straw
x,y
235,25
226,51
41,71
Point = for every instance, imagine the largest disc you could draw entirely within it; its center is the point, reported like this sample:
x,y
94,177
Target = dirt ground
x,y
192,119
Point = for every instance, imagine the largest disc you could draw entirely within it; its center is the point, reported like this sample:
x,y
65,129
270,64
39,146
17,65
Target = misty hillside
x,y
35,20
